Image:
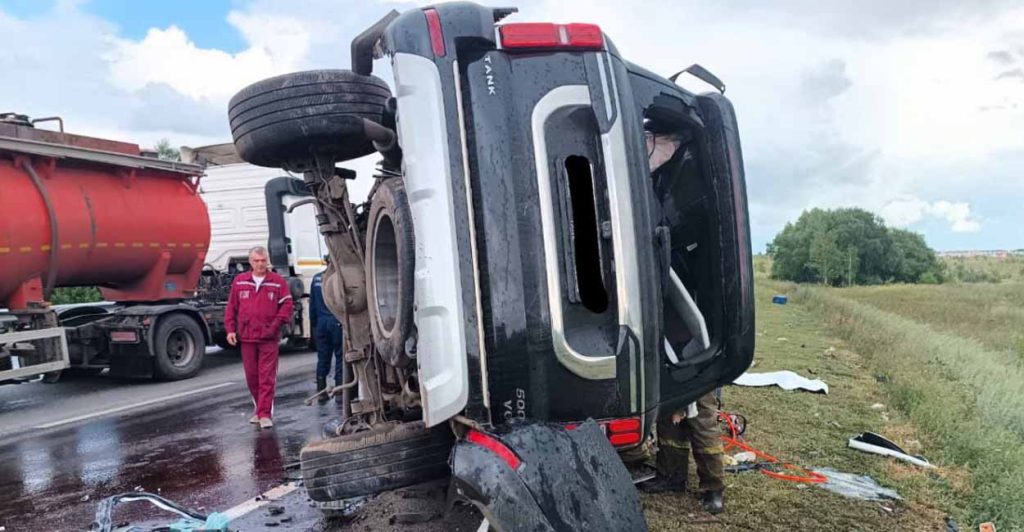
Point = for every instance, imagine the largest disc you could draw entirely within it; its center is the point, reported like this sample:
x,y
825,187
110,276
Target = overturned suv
x,y
555,249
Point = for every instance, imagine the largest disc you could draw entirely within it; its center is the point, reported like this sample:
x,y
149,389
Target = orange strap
x,y
732,440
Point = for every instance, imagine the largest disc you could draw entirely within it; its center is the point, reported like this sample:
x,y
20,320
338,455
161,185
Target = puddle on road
x,y
202,455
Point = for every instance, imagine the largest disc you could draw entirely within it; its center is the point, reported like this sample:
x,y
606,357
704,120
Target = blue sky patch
x,y
205,21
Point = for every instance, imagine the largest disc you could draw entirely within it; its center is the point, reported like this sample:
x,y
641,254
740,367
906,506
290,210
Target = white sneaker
x,y
254,420
266,423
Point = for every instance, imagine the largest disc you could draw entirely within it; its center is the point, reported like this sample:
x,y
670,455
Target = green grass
x,y
812,430
991,314
990,269
968,396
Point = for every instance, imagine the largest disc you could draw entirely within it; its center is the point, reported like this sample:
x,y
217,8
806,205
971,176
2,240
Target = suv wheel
x,y
291,117
386,457
390,258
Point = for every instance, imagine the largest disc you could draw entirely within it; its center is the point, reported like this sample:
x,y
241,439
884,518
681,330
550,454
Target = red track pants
x,y
260,362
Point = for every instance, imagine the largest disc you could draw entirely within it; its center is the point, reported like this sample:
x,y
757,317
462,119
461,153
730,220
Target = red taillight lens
x,y
492,444
533,35
627,438
584,35
129,337
548,35
436,35
617,426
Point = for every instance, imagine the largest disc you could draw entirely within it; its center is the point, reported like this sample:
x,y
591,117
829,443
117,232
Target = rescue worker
x,y
259,305
328,334
678,435
694,428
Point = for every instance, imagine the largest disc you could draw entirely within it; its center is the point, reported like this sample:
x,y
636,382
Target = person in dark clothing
x,y
328,333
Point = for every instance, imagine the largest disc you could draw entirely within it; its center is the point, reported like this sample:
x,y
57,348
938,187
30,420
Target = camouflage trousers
x,y
701,435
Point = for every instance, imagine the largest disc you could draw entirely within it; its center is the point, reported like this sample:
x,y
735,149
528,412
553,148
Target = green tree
x,y
850,246
167,152
75,294
913,260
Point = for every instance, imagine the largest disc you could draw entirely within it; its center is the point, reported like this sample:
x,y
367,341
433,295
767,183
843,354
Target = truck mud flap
x,y
539,477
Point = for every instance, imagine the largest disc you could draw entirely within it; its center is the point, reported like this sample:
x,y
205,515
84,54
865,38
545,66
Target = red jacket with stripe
x,y
257,314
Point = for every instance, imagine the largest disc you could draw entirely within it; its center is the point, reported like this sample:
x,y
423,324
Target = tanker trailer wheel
x,y
178,347
288,118
386,457
389,270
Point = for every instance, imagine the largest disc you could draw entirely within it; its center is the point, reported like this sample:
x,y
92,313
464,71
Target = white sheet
x,y
787,380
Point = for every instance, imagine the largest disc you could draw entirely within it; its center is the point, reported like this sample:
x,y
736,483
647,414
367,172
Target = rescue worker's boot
x,y
673,468
321,385
713,501
711,472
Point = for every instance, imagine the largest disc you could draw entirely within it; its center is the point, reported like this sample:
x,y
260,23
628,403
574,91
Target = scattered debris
x,y
951,525
191,520
987,527
271,523
85,498
744,457
878,406
412,518
782,339
780,299
787,380
870,442
275,510
743,468
860,487
881,379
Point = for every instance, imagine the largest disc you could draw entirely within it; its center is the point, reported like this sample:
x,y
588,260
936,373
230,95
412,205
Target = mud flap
x,y
535,476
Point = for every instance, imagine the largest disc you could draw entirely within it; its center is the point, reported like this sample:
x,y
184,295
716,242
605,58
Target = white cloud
x,y
875,106
907,211
168,56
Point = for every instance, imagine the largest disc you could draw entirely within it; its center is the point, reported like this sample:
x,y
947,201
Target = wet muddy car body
x,y
522,264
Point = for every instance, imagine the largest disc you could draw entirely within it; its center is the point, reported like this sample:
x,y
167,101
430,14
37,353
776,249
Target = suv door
x,y
705,238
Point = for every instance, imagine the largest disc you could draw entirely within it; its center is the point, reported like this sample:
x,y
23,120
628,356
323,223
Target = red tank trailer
x,y
80,211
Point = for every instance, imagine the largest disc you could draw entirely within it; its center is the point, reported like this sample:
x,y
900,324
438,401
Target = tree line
x,y
844,247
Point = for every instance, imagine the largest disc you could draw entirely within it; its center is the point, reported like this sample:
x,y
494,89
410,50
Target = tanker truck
x,y
84,211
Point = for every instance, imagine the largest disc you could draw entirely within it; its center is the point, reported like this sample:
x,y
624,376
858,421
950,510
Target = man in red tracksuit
x,y
260,303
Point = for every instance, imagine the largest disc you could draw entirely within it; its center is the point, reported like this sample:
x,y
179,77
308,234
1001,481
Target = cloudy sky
x,y
911,109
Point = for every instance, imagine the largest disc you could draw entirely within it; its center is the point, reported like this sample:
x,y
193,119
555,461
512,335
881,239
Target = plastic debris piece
x,y
860,487
744,457
870,442
780,299
192,520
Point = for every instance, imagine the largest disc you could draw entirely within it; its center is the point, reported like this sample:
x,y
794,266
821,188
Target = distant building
x,y
993,253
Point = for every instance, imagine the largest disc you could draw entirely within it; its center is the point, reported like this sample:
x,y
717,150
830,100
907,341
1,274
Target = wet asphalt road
x,y
191,444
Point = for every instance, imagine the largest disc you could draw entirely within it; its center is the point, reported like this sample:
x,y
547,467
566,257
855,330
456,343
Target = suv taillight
x,y
620,432
549,35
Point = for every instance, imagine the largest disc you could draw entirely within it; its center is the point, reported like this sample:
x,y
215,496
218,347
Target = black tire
x,y
386,457
390,261
287,118
178,347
